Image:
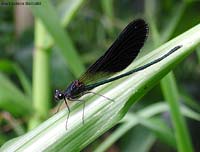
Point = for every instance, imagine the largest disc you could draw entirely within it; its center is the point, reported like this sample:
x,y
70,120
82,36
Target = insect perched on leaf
x,y
120,54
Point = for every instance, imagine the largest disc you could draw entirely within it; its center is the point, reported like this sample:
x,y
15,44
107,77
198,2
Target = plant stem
x,y
184,144
41,77
172,96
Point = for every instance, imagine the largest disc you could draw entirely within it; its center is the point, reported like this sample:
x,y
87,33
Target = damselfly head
x,y
58,95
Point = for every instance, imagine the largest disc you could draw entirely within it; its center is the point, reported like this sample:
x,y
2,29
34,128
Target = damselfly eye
x,y
58,95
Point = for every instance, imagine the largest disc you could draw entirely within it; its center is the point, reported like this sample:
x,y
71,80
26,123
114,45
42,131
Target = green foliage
x,y
59,55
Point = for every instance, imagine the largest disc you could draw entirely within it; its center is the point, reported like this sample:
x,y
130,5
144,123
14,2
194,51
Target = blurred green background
x,y
33,64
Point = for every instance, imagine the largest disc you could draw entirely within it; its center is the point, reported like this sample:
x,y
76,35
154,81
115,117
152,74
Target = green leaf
x,y
101,114
8,66
172,96
189,101
138,138
131,120
67,9
12,99
47,15
160,129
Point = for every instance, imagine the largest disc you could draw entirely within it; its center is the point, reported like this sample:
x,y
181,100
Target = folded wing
x,y
121,53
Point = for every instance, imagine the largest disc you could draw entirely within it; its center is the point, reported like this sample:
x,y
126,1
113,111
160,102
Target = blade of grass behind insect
x,y
50,20
107,6
41,77
10,67
160,129
13,123
11,97
190,101
171,95
26,84
108,10
67,9
138,138
184,144
173,23
130,121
